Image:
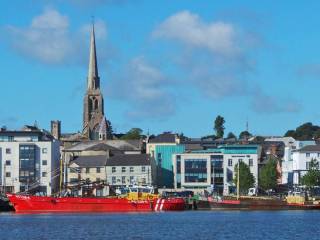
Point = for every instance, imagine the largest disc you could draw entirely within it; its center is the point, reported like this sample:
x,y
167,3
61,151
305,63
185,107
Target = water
x,y
235,225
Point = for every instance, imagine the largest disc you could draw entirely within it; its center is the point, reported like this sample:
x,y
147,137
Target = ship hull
x,y
254,205
22,203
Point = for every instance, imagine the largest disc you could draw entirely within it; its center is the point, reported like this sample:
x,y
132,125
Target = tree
x,y
109,130
133,133
246,178
219,126
312,177
231,135
245,135
306,131
268,175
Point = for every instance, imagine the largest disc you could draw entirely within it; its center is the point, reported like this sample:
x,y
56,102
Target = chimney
x,y
56,129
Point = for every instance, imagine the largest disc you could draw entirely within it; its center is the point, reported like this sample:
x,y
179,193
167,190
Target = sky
x,y
166,65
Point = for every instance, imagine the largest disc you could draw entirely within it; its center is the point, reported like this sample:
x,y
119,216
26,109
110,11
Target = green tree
x,y
231,135
246,178
312,177
109,130
268,175
219,126
306,131
133,133
245,135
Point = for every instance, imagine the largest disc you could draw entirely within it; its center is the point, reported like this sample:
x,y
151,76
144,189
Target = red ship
x,y
26,203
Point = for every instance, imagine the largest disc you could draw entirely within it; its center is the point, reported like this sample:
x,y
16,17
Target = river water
x,y
235,225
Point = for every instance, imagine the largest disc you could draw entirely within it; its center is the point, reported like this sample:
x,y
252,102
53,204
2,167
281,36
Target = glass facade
x,y
29,169
217,173
195,170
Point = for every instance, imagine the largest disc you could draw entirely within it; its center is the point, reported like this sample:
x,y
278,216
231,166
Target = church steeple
x,y
93,75
93,105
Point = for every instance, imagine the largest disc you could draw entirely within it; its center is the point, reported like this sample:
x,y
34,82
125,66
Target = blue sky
x,y
164,65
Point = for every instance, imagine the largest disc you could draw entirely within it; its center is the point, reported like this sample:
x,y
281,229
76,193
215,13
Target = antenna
x,y
247,125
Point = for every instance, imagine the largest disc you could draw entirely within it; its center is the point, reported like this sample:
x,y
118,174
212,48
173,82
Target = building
x,y
91,162
29,161
93,104
301,160
86,170
290,145
214,168
162,147
130,169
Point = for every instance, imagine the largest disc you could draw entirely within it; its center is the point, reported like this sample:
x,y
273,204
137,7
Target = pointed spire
x,y
93,76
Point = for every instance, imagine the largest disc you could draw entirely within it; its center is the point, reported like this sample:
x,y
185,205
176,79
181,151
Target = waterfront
x,y
174,225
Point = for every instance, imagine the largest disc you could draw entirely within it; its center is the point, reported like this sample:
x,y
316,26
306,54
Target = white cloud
x,y
48,38
263,103
188,28
144,87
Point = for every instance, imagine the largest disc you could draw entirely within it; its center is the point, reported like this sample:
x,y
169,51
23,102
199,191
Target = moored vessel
x,y
132,202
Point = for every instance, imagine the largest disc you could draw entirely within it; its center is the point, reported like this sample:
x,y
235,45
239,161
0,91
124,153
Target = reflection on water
x,y
175,225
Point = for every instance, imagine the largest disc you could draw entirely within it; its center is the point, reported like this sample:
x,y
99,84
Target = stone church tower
x,y
93,104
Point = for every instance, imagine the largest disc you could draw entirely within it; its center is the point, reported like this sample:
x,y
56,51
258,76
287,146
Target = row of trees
x,y
306,131
267,178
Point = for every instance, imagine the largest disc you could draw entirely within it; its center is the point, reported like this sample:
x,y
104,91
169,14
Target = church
x,y
95,125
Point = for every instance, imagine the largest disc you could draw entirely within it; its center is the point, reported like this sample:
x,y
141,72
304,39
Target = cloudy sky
x,y
164,65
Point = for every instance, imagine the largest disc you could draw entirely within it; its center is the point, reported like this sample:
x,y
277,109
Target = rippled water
x,y
175,225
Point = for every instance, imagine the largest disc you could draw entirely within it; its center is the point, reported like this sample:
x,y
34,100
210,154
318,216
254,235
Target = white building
x,y
301,160
291,145
130,169
29,161
214,167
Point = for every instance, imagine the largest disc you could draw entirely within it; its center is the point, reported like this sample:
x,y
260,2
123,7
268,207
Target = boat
x,y
291,202
5,205
134,201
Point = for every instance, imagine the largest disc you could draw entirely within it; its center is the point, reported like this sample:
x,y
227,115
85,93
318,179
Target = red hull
x,y
71,204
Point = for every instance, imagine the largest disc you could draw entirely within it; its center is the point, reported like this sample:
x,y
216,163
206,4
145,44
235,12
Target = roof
x,y
90,161
129,160
310,148
164,138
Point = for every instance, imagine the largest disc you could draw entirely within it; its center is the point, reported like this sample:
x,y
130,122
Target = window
x,y
230,162
98,179
10,138
44,162
73,170
250,162
307,154
8,162
143,169
143,181
44,150
113,169
114,180
123,169
131,179
307,165
318,154
131,169
87,170
8,174
123,178
98,170
74,180
44,174
8,150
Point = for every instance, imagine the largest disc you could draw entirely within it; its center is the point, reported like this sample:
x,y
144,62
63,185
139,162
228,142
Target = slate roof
x,y
310,148
129,160
90,161
164,138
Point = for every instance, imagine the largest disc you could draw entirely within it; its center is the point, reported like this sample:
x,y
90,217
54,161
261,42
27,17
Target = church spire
x,y
93,76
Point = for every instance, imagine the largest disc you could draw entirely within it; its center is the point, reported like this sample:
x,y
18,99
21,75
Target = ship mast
x,y
238,181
